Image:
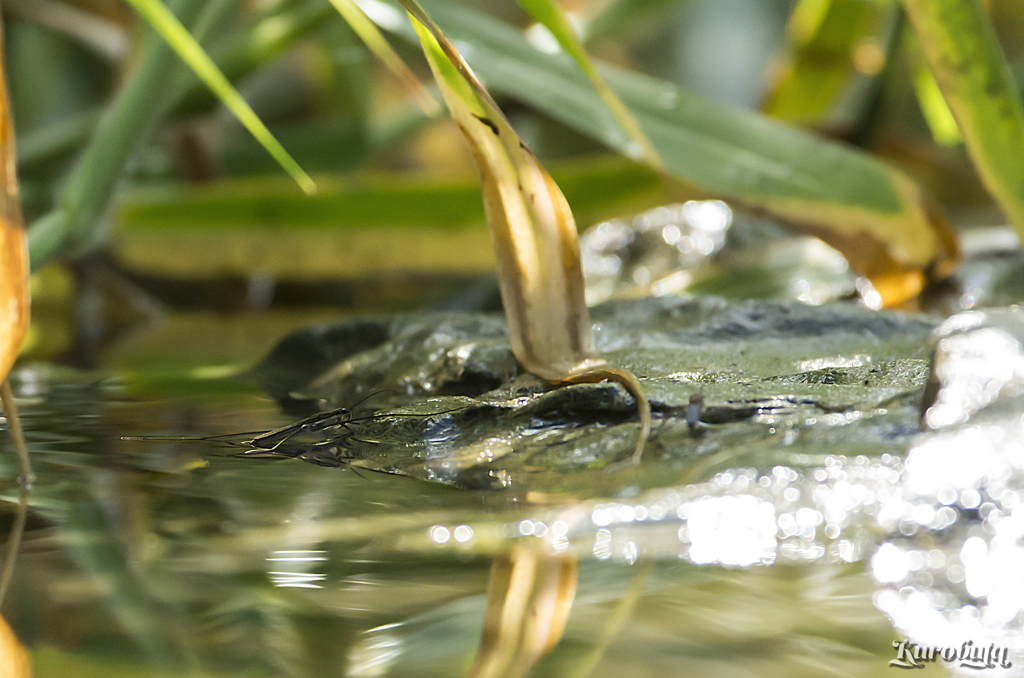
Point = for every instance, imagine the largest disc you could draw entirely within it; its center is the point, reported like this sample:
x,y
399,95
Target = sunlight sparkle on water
x,y
731,531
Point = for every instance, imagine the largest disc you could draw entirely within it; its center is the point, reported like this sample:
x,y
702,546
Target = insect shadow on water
x,y
277,442
333,430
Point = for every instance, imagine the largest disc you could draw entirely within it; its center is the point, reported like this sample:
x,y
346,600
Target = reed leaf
x,y
889,230
14,297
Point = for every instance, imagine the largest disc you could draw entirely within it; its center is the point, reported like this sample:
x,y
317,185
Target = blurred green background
x,y
167,193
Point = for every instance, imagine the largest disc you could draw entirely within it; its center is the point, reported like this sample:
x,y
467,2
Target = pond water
x,y
782,534
146,558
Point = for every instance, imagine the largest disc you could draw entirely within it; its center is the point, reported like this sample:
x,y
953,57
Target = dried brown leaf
x,y
14,662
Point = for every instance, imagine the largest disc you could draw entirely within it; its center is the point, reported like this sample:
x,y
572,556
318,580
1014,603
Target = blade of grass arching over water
x,y
255,45
888,230
181,41
378,44
551,16
961,48
534,234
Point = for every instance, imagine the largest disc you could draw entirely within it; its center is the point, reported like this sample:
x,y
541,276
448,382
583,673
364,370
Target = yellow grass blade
x,y
14,311
14,300
14,661
534,234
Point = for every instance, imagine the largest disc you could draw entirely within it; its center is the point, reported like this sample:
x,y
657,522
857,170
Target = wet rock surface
x,y
759,378
794,499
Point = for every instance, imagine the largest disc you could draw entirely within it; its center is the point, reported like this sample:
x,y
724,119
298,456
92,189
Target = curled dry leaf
x,y
533,231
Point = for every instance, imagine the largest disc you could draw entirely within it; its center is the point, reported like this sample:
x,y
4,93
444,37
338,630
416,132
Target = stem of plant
x,y
10,409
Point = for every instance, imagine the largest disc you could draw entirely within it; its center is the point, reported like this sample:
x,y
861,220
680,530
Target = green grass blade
x,y
595,187
355,226
821,60
181,41
74,221
551,16
936,112
378,44
961,48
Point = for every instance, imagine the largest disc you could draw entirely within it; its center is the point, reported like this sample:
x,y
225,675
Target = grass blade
x,y
181,41
74,222
378,44
961,48
14,659
551,16
624,19
91,30
936,112
831,43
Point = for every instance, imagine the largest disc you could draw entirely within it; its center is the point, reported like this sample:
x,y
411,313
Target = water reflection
x,y
952,565
294,568
758,554
655,253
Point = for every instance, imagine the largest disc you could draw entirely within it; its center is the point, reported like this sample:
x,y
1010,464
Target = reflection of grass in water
x,y
54,663
10,411
781,621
